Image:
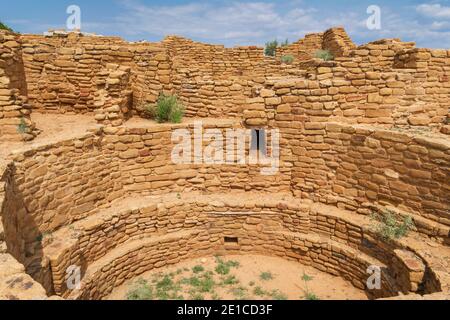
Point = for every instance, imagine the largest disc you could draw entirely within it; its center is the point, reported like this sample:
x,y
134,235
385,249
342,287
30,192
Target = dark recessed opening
x,y
231,240
259,141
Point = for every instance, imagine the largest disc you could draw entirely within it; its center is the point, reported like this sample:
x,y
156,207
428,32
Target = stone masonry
x,y
364,133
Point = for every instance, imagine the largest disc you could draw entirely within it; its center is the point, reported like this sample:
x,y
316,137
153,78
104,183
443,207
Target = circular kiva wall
x,y
114,204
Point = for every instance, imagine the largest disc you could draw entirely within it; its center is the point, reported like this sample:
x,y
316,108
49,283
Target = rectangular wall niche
x,y
231,240
259,141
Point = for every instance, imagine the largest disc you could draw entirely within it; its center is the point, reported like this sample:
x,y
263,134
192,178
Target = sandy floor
x,y
283,280
53,128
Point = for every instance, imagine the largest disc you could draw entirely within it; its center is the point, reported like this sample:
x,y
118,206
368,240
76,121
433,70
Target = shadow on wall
x,y
23,238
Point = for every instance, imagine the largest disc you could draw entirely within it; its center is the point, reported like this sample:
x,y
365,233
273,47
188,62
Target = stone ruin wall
x,y
385,82
334,152
334,40
14,109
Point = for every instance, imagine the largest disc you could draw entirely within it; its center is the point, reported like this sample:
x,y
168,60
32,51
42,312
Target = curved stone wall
x,y
110,195
172,230
355,165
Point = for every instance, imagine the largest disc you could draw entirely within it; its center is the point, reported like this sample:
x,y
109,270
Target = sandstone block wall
x,y
202,226
15,123
63,72
387,81
360,133
359,164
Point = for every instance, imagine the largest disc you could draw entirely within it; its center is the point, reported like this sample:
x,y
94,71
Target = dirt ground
x,y
237,278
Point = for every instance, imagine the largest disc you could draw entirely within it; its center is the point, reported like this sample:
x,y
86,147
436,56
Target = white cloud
x,y
434,10
440,25
254,22
231,22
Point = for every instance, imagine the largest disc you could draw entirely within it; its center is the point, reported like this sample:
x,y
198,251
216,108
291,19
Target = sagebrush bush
x,y
167,109
271,47
325,55
389,227
287,59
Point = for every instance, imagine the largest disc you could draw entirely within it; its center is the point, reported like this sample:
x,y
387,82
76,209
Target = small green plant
x,y
306,277
308,294
207,284
239,293
5,27
325,55
167,109
277,295
204,283
198,269
166,289
140,291
271,47
266,276
389,227
223,267
287,59
233,264
230,280
311,296
258,291
197,296
22,127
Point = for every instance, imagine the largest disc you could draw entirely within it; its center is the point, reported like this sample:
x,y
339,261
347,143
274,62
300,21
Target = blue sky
x,y
238,22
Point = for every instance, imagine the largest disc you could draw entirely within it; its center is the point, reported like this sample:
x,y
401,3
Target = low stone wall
x,y
350,90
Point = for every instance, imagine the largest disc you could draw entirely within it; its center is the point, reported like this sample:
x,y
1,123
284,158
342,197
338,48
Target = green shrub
x,y
271,47
287,59
325,55
389,227
223,267
167,109
22,127
311,296
140,291
5,27
277,295
230,280
308,294
266,276
306,277
239,293
198,269
258,291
